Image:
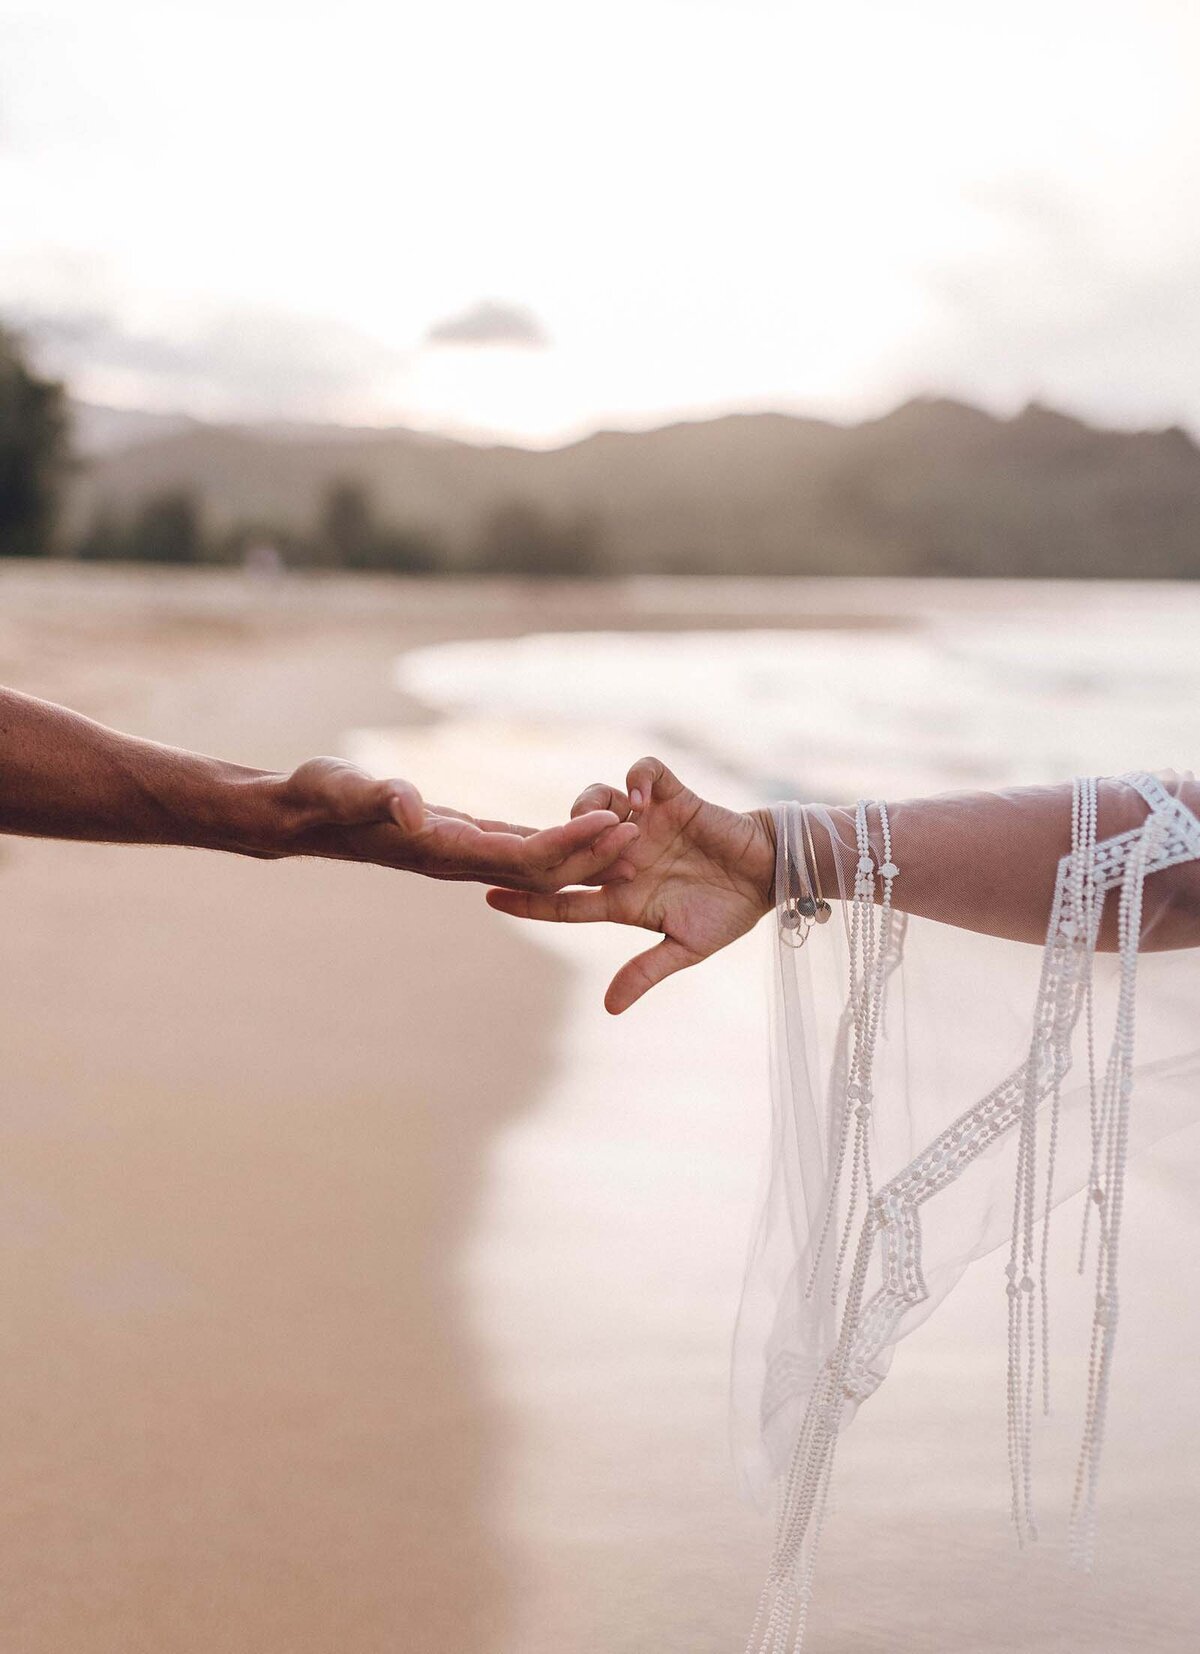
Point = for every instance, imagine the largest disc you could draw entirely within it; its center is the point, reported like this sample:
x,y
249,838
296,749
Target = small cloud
x,y
490,323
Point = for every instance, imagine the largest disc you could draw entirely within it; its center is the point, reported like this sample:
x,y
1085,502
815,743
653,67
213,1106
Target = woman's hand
x,y
699,874
331,808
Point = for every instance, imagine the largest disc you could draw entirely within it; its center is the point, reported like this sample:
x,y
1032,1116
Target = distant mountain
x,y
97,430
935,487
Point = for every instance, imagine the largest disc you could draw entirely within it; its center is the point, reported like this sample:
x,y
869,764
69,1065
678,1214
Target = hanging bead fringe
x,y
1168,835
875,939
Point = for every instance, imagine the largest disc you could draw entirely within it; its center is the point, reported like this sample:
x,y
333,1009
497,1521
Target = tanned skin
x,y
63,776
701,875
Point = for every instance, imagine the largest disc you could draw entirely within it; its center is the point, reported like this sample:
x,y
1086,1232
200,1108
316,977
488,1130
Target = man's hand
x,y
69,778
699,874
331,808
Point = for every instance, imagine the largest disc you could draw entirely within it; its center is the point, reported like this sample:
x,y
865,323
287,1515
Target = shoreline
x,y
367,1285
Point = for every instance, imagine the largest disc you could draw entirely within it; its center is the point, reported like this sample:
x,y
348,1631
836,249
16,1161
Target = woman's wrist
x,y
762,859
827,877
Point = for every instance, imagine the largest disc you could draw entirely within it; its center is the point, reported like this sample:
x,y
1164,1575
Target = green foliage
x,y
350,536
519,539
168,529
33,453
346,531
106,539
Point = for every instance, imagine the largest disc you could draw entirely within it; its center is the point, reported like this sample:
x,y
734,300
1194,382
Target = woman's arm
x,y
988,861
63,776
702,875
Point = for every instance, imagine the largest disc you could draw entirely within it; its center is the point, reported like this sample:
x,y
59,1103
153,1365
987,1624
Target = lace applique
x,y
1169,835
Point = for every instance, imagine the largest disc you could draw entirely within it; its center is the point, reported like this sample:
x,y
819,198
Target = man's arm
x,y
64,776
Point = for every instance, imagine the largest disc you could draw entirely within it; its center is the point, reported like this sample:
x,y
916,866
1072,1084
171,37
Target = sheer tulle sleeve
x,y
939,1085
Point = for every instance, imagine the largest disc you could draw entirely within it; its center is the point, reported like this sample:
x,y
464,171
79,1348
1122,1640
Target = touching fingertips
x,y
622,839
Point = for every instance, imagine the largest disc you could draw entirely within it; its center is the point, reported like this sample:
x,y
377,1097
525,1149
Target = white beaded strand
x,y
1083,891
782,1615
1067,988
872,956
1068,945
1115,1125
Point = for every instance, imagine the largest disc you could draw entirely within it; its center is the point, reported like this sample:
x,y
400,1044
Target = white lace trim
x,y
1169,835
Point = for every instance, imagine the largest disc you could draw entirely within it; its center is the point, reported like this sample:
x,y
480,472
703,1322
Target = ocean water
x,y
606,1266
917,693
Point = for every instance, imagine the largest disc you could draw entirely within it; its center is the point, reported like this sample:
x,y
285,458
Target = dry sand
x,y
248,1116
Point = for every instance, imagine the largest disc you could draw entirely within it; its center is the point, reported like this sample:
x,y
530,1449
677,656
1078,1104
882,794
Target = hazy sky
x,y
534,218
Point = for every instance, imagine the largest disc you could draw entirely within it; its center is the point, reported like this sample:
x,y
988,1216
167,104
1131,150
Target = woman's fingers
x,y
600,796
644,970
650,778
566,907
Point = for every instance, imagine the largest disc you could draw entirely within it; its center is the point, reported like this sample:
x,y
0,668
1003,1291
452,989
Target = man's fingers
x,y
582,866
650,778
513,827
549,848
600,796
644,971
457,847
594,859
567,907
620,872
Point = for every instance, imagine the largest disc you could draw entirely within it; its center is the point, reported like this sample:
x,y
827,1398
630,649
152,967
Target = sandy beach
x,y
240,1408
322,1196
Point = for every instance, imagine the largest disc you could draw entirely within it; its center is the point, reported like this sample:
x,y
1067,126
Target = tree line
x,y
34,452
170,527
347,533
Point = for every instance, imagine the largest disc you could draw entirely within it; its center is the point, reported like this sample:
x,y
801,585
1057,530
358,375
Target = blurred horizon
x,y
532,225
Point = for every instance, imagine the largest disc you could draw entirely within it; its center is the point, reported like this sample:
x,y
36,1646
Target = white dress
x,y
935,1093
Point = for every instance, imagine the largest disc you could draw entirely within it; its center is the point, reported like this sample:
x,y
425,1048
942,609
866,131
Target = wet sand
x,y
331,1326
